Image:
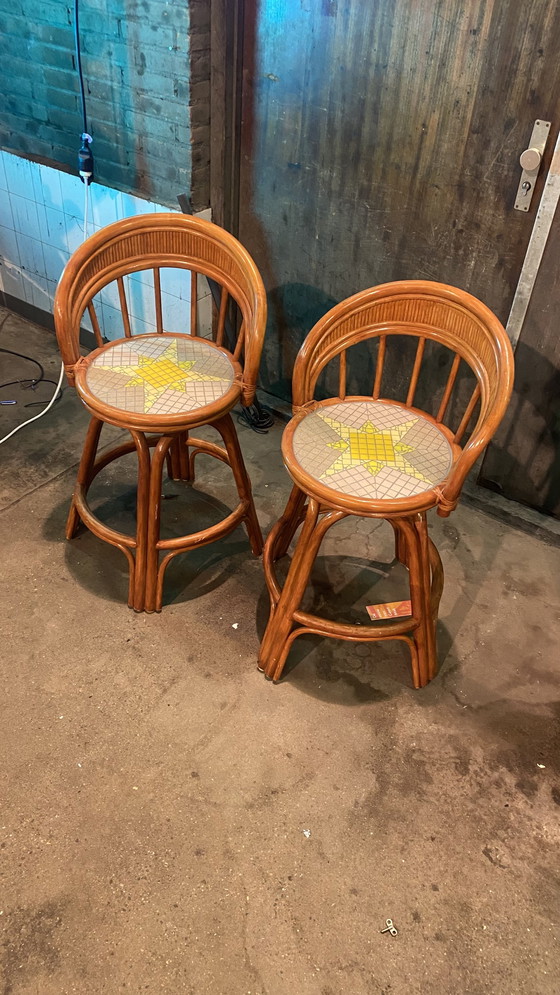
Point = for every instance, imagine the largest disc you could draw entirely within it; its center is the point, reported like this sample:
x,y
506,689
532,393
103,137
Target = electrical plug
x,y
85,160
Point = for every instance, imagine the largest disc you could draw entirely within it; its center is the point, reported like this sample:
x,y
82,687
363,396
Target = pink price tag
x,y
391,609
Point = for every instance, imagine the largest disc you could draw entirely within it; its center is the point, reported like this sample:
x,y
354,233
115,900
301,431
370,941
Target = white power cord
x,y
61,375
86,204
41,413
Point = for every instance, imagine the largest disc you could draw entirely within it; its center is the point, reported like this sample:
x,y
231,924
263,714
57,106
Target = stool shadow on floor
x,y
465,570
102,569
342,586
339,671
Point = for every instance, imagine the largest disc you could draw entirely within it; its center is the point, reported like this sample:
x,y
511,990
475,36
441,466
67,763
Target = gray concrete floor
x,y
156,789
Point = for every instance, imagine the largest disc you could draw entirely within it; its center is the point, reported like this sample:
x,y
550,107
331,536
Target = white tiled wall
x,y
42,223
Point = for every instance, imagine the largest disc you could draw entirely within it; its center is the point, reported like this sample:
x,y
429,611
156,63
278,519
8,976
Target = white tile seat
x,y
159,374
373,450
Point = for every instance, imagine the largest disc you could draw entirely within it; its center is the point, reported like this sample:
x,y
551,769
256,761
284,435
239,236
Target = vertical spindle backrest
x,y
414,308
154,241
222,314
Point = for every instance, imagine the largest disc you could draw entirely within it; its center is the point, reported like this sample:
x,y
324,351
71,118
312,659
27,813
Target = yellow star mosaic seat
x,y
160,374
372,450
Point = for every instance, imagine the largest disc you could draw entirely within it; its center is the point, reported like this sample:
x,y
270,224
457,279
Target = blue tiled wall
x,y
42,223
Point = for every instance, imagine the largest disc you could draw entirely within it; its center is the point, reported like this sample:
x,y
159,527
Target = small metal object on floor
x,y
389,927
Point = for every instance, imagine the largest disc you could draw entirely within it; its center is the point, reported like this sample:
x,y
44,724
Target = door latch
x,y
530,162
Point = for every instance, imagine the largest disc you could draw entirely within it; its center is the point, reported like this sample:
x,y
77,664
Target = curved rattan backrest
x,y
427,311
154,241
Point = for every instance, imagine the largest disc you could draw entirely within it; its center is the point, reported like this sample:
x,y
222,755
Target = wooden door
x,y
379,140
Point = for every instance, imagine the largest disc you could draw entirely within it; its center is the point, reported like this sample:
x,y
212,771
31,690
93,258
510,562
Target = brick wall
x,y
143,105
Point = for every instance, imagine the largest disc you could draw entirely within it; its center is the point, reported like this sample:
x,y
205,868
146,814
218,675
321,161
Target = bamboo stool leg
x,y
271,656
420,595
421,525
289,521
431,571
84,472
227,431
178,463
142,507
151,601
437,580
400,543
173,462
417,600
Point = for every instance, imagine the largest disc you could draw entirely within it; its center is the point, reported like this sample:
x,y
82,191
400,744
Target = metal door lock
x,y
530,162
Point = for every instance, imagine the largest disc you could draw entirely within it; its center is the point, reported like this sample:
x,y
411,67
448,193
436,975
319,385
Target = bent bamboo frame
x,y
152,242
423,310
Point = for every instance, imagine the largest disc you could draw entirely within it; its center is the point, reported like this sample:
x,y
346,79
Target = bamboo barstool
x,y
161,386
379,458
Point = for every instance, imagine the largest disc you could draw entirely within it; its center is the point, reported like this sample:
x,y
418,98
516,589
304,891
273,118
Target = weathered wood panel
x,y
380,141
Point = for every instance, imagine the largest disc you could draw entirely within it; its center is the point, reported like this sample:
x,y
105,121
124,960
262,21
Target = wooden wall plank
x,y
381,142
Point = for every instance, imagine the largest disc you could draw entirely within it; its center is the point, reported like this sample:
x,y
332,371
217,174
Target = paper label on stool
x,y
391,609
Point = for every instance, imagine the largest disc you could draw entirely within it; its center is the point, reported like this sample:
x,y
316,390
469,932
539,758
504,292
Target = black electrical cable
x,y
256,417
79,64
36,404
20,355
85,157
32,382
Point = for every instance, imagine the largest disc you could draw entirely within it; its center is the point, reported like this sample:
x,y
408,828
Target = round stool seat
x,y
162,375
367,450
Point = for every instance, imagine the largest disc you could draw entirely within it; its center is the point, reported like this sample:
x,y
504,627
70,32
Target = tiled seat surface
x,y
163,375
372,450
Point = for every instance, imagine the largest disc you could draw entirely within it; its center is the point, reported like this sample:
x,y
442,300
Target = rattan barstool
x,y
379,458
161,386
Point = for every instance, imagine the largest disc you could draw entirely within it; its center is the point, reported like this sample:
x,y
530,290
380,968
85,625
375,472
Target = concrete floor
x,y
156,789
